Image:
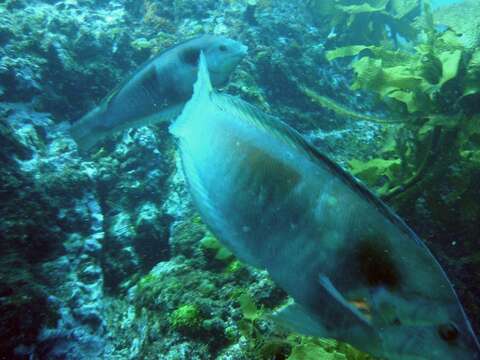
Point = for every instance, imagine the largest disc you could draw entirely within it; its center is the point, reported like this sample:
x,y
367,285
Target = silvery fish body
x,y
355,270
158,90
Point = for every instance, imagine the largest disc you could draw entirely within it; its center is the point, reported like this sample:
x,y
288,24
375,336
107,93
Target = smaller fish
x,y
158,90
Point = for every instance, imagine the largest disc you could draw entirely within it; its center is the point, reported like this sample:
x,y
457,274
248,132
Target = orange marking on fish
x,y
363,306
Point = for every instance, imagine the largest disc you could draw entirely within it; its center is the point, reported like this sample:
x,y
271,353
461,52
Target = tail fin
x,y
202,91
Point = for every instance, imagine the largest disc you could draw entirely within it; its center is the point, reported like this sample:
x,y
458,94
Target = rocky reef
x,y
103,256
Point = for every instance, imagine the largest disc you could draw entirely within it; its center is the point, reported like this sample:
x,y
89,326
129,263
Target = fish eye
x,y
448,332
222,48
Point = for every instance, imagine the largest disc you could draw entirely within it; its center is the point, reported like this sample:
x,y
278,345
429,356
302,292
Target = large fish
x,y
355,270
158,90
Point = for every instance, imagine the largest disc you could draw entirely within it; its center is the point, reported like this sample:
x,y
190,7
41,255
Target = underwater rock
x,y
46,42
137,227
64,261
75,344
153,231
29,236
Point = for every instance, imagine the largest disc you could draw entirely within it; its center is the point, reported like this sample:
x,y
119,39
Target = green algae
x,y
368,20
307,348
416,79
186,316
416,85
279,344
211,245
340,109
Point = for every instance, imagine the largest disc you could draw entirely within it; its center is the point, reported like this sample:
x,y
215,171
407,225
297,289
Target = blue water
x,y
438,3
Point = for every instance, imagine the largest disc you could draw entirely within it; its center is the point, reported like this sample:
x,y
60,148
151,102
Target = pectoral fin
x,y
347,322
332,291
298,319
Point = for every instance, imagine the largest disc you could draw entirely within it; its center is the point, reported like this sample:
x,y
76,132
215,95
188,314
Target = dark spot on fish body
x,y
133,101
151,95
270,170
266,183
190,56
150,84
376,264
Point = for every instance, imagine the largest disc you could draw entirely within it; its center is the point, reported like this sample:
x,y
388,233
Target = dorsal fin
x,y
202,90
